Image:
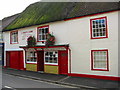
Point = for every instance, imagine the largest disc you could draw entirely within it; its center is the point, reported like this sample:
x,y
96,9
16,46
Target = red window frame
x,y
92,60
11,37
38,32
91,31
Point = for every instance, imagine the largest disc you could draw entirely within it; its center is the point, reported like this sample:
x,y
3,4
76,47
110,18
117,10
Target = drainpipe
x,y
69,60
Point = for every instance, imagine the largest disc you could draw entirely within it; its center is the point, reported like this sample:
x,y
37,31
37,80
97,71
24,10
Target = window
x,y
99,28
51,57
31,57
42,33
99,60
14,37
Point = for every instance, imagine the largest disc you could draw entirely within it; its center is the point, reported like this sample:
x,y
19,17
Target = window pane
x,y
14,37
99,25
42,34
100,59
93,26
31,56
51,57
46,30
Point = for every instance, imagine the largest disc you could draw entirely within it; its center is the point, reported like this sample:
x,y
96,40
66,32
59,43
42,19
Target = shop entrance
x,y
40,60
63,62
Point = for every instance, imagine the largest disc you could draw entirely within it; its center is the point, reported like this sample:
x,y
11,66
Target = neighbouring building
x,y
1,43
85,36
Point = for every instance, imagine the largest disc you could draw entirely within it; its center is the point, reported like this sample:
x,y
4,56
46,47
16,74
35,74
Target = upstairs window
x,y
99,60
14,37
99,28
42,33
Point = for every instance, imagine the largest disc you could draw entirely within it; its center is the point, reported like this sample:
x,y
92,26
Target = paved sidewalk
x,y
80,82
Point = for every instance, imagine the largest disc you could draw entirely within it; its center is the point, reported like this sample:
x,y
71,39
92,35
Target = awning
x,y
49,48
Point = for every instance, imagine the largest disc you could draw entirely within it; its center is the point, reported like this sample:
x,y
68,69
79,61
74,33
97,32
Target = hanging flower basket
x,y
50,40
31,41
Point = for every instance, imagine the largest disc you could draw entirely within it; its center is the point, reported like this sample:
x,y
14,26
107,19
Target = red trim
x,y
37,59
37,32
23,69
5,66
91,28
96,76
11,37
45,47
92,65
51,65
90,15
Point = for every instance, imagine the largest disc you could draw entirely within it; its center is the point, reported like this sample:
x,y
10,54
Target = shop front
x,y
52,59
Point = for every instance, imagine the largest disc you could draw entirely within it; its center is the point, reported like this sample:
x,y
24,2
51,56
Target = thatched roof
x,y
7,20
45,12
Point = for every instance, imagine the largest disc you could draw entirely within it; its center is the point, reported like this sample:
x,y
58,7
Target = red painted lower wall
x,y
96,76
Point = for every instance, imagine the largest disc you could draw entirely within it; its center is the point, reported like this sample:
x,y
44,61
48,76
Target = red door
x,y
40,61
7,59
21,60
63,62
15,59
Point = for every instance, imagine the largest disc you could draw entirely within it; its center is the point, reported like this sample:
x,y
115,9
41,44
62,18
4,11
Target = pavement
x,y
80,82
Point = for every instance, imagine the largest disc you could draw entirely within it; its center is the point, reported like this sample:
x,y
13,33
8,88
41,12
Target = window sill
x,y
100,69
51,64
14,43
99,37
31,62
41,41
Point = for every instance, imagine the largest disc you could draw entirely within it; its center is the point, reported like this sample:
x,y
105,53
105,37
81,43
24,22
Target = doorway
x,y
63,62
14,59
40,61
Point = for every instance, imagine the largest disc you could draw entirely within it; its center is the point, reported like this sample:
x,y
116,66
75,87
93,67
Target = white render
x,y
76,33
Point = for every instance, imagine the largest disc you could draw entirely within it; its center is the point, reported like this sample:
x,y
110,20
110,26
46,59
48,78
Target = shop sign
x,y
26,34
53,49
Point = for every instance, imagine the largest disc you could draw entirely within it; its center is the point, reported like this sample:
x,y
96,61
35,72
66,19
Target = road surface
x,y
10,81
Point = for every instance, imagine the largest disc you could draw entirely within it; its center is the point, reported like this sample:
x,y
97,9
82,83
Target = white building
x,y
86,39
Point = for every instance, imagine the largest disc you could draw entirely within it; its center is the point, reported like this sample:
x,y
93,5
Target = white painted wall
x,y
76,33
119,44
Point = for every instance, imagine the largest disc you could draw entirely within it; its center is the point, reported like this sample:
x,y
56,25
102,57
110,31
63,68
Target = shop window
x,y
51,57
14,37
31,57
42,33
99,60
99,28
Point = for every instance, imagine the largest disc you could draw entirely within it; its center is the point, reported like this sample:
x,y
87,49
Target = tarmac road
x,y
13,82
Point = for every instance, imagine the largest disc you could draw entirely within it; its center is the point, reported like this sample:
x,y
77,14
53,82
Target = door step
x,y
41,71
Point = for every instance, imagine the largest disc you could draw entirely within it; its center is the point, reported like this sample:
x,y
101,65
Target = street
x,y
14,82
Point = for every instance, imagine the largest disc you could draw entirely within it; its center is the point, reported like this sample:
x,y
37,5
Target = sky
x,y
11,7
